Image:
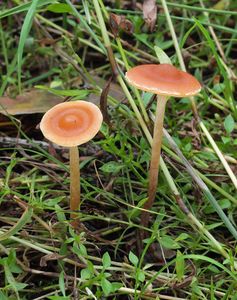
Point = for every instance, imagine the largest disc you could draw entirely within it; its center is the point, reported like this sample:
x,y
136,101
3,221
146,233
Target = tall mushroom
x,y
165,81
71,124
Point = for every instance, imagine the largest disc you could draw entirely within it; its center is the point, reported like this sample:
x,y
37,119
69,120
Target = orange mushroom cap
x,y
163,79
71,124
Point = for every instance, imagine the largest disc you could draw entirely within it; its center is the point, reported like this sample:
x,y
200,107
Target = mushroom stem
x,y
74,184
155,158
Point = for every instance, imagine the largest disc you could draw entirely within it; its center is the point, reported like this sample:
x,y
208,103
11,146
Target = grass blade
x,y
23,36
19,225
21,8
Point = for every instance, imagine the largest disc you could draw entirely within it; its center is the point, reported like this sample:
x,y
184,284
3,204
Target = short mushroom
x,y
164,80
71,124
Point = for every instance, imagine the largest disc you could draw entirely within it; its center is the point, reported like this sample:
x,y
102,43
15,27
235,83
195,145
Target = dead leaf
x,y
104,102
115,91
47,42
221,5
48,257
150,13
34,101
118,22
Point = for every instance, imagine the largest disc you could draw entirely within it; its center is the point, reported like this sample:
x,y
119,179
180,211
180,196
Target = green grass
x,y
190,252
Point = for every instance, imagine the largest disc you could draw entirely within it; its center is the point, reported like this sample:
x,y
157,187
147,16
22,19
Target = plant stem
x,y
140,101
105,37
74,184
173,34
210,237
135,109
155,158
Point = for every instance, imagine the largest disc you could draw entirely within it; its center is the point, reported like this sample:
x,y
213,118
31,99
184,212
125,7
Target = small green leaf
x,y
106,260
133,258
226,139
219,88
140,275
116,286
229,124
79,94
188,147
83,250
62,283
213,226
135,212
85,274
11,261
167,242
182,236
90,267
60,214
213,269
16,286
224,204
59,8
105,130
111,167
143,37
52,202
106,286
79,250
144,157
162,56
179,265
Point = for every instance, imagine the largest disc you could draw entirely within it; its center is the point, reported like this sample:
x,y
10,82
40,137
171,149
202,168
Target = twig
x,y
14,142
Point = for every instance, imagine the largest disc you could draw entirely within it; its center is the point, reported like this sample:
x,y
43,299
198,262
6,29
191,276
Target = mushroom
x,y
165,81
71,124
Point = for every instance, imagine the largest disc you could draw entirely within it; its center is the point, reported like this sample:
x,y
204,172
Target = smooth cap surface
x,y
71,124
163,79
